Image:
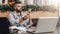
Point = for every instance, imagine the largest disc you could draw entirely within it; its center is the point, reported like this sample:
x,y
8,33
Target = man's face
x,y
18,7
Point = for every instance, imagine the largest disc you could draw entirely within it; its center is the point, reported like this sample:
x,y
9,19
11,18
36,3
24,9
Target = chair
x,y
4,25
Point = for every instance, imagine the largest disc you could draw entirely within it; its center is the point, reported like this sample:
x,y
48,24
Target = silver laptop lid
x,y
46,24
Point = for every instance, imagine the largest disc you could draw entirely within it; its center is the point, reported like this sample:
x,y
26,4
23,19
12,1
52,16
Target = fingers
x,y
20,20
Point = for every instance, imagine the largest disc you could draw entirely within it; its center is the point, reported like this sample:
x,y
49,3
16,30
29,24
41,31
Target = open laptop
x,y
46,24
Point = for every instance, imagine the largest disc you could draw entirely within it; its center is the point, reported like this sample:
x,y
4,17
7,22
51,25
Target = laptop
x,y
46,24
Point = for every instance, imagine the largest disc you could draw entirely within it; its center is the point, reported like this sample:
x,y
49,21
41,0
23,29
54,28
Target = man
x,y
18,18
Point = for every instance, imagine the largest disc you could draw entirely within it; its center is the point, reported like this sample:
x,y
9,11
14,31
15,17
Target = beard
x,y
18,10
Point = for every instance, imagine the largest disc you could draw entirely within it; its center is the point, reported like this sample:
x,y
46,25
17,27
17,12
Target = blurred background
x,y
34,5
39,8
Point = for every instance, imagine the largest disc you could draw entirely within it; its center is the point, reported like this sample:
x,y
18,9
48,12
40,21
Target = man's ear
x,y
14,7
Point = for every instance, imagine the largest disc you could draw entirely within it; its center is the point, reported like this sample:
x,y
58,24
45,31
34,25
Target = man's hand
x,y
20,20
26,16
